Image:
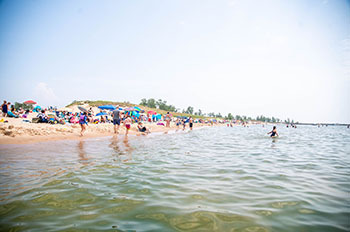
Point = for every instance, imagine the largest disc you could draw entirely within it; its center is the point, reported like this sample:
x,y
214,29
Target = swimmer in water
x,y
273,132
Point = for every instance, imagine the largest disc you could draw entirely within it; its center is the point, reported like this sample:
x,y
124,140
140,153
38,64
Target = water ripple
x,y
212,179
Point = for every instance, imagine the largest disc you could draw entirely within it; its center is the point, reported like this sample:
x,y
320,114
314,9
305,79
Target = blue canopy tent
x,y
157,117
107,107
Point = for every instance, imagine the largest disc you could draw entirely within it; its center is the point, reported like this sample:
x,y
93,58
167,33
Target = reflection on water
x,y
212,179
82,154
122,148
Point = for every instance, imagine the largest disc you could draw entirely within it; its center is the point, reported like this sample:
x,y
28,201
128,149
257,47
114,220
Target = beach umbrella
x,y
82,109
151,112
37,109
107,107
29,102
101,113
129,109
137,108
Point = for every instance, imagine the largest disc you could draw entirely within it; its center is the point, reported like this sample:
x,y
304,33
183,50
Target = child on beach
x,y
83,123
142,128
127,123
178,123
273,132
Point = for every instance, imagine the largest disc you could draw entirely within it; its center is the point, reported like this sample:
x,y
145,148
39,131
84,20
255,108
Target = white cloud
x,y
45,95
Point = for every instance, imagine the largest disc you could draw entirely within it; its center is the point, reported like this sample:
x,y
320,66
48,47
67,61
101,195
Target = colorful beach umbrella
x,y
151,112
137,108
29,102
129,109
101,113
107,107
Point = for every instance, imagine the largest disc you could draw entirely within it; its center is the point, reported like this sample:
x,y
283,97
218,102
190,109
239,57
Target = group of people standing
x,y
183,122
118,118
9,110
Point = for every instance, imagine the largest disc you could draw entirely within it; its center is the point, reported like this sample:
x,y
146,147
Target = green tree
x,y
18,105
143,102
189,110
200,113
151,103
229,116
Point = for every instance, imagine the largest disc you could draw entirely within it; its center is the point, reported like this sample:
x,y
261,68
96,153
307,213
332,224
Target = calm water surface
x,y
210,179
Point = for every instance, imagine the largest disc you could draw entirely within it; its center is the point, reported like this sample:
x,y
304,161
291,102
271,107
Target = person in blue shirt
x,y
83,123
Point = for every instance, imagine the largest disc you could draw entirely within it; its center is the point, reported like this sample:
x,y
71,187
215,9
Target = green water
x,y
211,179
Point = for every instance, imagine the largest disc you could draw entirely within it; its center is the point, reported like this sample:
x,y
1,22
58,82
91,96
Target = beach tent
x,y
107,107
157,117
101,113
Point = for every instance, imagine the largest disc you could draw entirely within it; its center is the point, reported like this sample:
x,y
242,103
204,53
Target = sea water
x,y
209,179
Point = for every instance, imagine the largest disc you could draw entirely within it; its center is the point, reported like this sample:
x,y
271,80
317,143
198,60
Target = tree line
x,y
162,105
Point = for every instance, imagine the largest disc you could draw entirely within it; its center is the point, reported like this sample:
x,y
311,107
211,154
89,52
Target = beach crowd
x,y
115,115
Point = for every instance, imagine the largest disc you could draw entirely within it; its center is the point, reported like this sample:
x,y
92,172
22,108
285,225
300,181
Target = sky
x,y
287,59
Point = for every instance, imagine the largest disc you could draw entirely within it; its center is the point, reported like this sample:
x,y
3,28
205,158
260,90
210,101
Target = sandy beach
x,y
17,131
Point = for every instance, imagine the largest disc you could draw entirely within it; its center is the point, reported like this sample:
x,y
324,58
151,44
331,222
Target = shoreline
x,y
18,132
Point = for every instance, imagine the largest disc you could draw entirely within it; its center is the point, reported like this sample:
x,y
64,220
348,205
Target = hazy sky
x,y
276,58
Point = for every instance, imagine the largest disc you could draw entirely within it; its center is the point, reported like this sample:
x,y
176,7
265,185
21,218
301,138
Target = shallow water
x,y
210,179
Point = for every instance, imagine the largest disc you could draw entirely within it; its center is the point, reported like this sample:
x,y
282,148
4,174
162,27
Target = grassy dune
x,y
128,104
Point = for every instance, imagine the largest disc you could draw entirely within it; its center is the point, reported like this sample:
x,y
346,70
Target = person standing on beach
x,y
178,123
127,123
4,109
116,120
167,119
83,123
191,123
